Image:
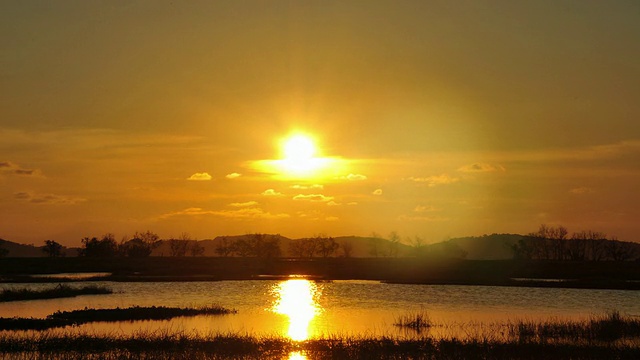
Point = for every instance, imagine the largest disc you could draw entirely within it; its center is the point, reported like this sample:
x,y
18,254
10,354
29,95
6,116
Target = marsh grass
x,y
417,321
60,291
185,345
603,328
78,317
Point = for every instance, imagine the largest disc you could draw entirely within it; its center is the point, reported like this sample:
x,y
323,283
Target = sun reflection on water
x,y
297,299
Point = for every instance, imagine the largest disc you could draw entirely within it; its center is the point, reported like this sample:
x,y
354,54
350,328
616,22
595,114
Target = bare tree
x,y
178,247
196,249
347,248
394,244
326,246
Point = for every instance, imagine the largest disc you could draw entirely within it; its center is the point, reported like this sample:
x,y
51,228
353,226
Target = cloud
x,y
481,167
422,208
422,218
8,167
308,187
333,203
354,177
247,213
377,192
436,180
47,198
244,204
234,175
313,197
200,177
352,203
581,190
271,192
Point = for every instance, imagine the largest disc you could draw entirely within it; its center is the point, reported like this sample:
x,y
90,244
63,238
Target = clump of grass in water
x,y
78,317
60,291
417,321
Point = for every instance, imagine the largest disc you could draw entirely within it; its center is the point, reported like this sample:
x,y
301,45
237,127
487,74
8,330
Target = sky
x,y
433,119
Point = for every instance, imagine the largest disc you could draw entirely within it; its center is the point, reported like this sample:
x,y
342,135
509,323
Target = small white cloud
x,y
481,167
308,187
377,192
436,180
244,204
200,177
356,177
271,192
313,197
333,203
581,190
234,175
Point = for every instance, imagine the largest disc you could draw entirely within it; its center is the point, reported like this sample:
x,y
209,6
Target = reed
x,y
417,321
60,291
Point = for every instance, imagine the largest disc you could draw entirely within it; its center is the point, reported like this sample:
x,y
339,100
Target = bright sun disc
x,y
298,148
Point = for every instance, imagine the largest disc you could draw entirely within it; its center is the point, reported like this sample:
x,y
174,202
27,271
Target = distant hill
x,y
486,247
21,250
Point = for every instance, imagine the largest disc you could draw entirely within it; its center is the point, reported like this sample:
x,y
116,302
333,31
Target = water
x,y
302,309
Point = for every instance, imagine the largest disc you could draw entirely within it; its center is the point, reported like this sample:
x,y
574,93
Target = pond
x,y
300,309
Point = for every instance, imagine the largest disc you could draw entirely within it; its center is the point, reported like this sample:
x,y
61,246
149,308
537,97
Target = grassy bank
x,y
60,291
78,317
610,336
186,346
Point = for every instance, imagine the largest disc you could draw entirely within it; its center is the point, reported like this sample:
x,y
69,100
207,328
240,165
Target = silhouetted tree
x,y
3,251
141,245
394,244
105,247
620,251
303,248
224,247
325,246
52,249
419,248
196,249
178,247
347,248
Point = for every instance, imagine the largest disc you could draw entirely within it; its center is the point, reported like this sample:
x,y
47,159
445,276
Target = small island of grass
x,y
78,317
60,291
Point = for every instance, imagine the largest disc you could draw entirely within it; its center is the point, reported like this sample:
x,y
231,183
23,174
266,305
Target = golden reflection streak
x,y
297,300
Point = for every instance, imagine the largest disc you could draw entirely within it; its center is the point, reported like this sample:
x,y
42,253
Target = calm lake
x,y
302,309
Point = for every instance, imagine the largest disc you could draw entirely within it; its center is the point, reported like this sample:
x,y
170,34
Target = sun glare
x,y
301,159
299,156
296,300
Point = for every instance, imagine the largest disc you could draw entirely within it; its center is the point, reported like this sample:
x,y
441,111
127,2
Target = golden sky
x,y
430,118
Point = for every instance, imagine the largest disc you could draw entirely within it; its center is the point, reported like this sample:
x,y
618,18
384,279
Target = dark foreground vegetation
x,y
60,291
609,337
78,317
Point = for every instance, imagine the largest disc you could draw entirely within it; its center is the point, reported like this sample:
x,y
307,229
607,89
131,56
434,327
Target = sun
x,y
299,148
299,156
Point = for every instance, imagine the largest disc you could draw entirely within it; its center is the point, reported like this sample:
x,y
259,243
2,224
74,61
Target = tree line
x,y
554,243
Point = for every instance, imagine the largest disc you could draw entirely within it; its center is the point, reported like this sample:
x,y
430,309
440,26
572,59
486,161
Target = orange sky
x,y
439,118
